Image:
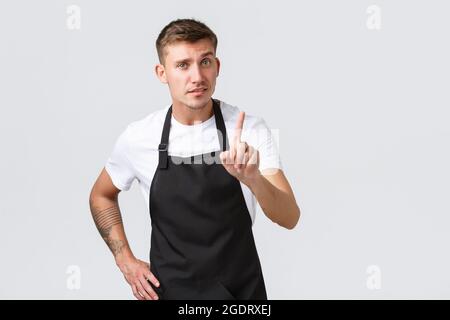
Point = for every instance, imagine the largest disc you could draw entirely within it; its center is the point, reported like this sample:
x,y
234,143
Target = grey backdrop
x,y
360,97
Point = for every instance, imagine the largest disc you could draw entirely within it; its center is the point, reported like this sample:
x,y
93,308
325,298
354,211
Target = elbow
x,y
95,199
92,196
292,223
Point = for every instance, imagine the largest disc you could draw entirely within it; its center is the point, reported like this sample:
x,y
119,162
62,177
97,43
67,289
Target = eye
x,y
181,65
206,62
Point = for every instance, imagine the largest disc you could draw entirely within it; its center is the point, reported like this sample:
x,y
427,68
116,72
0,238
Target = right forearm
x,y
108,220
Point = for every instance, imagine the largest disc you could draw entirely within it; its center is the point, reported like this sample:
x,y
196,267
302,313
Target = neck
x,y
190,116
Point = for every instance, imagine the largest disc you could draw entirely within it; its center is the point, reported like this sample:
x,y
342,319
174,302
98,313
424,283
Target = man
x,y
200,177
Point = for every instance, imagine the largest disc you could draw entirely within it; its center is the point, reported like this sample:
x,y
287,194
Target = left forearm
x,y
278,205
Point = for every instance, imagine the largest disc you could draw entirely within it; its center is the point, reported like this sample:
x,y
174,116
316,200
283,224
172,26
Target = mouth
x,y
198,92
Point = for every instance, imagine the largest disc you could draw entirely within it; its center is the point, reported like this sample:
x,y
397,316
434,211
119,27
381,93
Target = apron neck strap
x,y
220,125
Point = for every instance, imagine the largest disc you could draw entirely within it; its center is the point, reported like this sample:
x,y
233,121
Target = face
x,y
190,70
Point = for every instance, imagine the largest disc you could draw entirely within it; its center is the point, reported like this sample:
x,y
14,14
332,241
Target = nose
x,y
196,74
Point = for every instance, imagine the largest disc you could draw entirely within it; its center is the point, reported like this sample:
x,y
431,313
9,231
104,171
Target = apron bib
x,y
202,244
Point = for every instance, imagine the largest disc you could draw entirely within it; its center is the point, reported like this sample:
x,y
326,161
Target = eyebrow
x,y
202,56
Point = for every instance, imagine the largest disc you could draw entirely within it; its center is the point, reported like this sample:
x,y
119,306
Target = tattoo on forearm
x,y
104,220
116,246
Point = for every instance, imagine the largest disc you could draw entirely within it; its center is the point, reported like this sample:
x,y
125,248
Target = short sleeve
x,y
118,164
266,141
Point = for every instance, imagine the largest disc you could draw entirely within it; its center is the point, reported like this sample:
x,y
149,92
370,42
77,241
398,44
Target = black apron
x,y
202,245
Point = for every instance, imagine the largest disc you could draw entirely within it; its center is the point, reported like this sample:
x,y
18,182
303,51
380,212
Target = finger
x,y
223,157
142,291
241,148
245,161
239,126
151,277
229,158
254,158
248,154
242,167
232,152
225,162
135,293
148,288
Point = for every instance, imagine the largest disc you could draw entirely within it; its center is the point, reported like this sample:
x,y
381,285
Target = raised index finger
x,y
239,126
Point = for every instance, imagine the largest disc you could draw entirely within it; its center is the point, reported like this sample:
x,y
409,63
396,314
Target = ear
x,y
161,73
218,66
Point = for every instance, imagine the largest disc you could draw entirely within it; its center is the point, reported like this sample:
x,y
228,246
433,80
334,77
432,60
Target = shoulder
x,y
230,113
146,130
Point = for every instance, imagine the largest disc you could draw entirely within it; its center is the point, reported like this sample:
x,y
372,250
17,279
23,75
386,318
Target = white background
x,y
362,116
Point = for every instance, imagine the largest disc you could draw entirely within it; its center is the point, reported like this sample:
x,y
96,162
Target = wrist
x,y
253,181
124,257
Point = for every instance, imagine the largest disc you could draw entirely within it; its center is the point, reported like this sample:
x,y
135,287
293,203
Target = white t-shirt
x,y
135,154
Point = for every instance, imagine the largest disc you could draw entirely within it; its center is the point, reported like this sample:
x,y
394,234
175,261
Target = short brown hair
x,y
189,30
